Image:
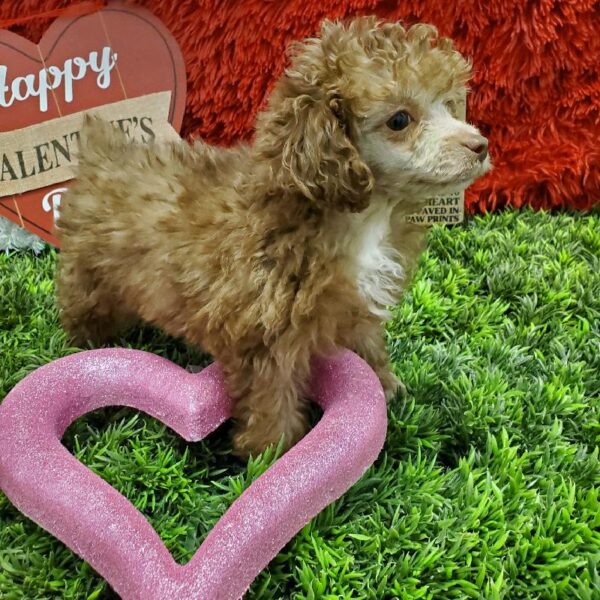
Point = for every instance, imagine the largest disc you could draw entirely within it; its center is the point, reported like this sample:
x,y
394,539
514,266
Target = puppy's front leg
x,y
367,340
269,401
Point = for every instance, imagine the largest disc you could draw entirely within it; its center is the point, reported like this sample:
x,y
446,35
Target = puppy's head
x,y
371,104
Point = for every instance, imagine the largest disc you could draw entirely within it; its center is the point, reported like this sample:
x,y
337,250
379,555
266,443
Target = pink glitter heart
x,y
62,495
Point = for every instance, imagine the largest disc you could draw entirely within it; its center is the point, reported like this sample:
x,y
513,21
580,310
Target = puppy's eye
x,y
399,121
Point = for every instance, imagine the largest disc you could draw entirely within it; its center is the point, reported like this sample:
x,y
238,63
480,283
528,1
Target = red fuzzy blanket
x,y
536,89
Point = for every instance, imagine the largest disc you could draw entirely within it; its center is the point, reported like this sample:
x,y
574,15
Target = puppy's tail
x,y
100,143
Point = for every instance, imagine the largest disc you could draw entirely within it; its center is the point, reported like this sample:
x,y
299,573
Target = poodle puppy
x,y
267,254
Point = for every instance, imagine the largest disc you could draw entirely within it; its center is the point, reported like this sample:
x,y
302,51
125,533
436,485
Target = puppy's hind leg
x,y
89,312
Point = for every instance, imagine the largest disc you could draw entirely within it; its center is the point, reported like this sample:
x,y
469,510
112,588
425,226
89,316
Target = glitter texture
x,y
55,490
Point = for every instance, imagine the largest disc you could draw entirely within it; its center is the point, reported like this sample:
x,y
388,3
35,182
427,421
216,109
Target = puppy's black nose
x,y
477,144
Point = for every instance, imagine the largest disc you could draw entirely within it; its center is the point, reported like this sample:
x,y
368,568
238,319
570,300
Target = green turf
x,y
488,483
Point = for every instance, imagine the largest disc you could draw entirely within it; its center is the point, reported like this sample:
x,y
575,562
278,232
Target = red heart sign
x,y
118,53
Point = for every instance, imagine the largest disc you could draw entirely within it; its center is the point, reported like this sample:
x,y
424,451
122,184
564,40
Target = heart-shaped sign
x,y
55,490
115,54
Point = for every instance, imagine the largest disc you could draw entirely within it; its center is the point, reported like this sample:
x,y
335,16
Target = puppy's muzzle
x,y
476,144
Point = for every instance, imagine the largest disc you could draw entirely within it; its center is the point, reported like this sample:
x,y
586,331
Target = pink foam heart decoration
x,y
55,490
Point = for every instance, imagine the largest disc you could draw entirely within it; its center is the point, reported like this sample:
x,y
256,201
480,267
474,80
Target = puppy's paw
x,y
252,439
391,385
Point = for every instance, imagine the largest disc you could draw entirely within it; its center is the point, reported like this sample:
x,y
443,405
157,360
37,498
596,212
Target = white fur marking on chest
x,y
377,268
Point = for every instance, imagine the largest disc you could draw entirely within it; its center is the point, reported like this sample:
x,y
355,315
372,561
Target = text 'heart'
x,y
49,485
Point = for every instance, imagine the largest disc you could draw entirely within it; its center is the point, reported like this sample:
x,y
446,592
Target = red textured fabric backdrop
x,y
536,90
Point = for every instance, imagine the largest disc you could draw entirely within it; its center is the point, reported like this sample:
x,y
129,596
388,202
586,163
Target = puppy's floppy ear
x,y
306,134
320,159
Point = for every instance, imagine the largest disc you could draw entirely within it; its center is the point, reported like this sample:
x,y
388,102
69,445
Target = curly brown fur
x,y
265,255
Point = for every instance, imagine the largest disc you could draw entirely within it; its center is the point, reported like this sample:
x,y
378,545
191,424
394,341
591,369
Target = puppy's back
x,y
132,221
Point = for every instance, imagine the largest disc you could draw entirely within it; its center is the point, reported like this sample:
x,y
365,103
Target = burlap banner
x,y
45,154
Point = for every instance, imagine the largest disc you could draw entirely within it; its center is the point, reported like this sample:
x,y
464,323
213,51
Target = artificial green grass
x,y
488,483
